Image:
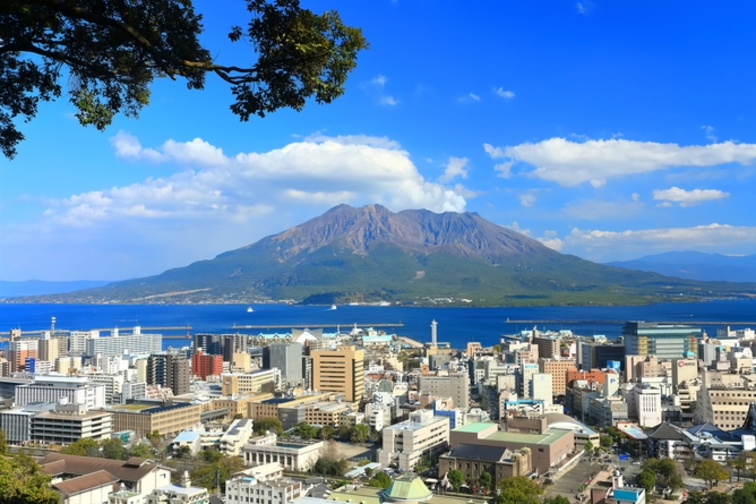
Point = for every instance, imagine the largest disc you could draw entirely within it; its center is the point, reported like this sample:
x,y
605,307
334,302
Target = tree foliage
x,y
519,490
665,470
359,433
329,466
140,450
23,482
557,499
305,430
84,447
647,479
113,449
711,472
456,478
111,51
271,424
381,480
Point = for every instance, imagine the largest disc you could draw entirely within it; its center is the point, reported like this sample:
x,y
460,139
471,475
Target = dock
x,y
294,326
622,322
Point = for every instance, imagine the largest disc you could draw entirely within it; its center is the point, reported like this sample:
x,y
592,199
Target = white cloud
x,y
572,163
469,98
220,202
527,199
500,91
602,210
709,132
379,81
388,100
635,196
599,245
584,7
454,168
688,198
515,226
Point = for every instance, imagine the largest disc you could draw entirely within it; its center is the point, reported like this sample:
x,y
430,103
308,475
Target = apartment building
x,y
340,370
724,398
117,344
557,368
19,351
404,443
247,487
204,365
236,437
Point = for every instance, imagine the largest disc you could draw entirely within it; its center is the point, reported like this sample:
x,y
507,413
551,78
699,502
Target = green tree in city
x,y
110,52
271,424
380,480
711,472
606,441
557,499
485,481
23,482
305,430
329,466
359,433
3,443
141,450
238,416
718,498
647,480
695,497
745,495
739,464
456,478
84,447
113,449
519,490
326,432
155,438
666,472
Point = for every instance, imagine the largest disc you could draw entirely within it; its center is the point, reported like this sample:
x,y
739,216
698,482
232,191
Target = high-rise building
x,y
340,370
19,351
117,344
558,369
48,349
288,358
206,365
592,355
169,370
665,341
456,386
77,341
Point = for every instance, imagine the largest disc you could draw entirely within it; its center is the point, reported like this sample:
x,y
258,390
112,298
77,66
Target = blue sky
x,y
606,129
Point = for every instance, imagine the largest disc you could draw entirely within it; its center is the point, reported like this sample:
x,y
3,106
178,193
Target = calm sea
x,y
455,325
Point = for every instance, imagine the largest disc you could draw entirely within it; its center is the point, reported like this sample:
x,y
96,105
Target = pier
x,y
622,322
294,326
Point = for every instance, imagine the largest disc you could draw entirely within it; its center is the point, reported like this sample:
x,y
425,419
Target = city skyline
x,y
605,130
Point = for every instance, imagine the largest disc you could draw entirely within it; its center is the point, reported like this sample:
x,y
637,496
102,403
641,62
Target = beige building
x,y
724,398
238,405
341,370
557,368
455,385
146,417
326,413
69,423
548,446
406,442
269,407
263,381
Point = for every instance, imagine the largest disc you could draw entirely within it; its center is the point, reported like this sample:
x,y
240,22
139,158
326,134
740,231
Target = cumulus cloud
x,y
584,7
688,198
572,163
507,95
456,167
600,245
219,202
709,132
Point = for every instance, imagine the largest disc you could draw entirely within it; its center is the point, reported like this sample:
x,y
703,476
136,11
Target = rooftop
x,y
547,438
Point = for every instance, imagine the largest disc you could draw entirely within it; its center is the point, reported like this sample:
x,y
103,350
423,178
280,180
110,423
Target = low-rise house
x,y
179,493
136,474
87,489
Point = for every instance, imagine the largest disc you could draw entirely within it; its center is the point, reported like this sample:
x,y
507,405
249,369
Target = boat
x,y
249,309
333,307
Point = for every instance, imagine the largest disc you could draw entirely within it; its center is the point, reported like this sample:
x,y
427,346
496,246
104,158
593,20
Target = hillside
x,y
414,256
696,266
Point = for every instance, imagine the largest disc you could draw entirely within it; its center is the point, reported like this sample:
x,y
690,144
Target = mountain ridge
x,y
369,253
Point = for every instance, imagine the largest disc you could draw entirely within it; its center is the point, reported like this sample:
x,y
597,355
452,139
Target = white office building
x,y
133,344
404,443
52,389
77,341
